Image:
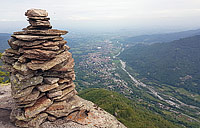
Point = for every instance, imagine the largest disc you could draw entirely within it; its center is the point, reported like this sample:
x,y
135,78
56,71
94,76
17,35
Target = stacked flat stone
x,y
41,72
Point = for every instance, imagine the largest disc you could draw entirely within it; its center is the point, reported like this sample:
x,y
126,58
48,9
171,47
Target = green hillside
x,y
3,74
176,63
126,111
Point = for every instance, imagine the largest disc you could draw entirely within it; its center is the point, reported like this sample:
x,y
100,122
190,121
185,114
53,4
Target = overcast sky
x,y
105,14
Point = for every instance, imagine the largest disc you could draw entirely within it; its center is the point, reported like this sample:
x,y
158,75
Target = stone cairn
x,y
41,73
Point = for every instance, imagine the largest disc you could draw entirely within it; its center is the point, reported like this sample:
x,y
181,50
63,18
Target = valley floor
x,y
100,67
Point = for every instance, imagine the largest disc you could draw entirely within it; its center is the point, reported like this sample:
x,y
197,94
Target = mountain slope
x,y
3,75
3,41
159,38
176,63
129,113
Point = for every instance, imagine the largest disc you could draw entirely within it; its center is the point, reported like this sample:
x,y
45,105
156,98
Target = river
x,y
155,93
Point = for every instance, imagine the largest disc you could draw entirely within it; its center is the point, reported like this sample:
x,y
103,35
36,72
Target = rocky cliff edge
x,y
95,116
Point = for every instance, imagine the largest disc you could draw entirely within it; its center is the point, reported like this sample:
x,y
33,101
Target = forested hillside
x,y
126,111
176,63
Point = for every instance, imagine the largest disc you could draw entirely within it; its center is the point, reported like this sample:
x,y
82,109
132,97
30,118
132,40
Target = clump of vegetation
x,y
3,75
125,110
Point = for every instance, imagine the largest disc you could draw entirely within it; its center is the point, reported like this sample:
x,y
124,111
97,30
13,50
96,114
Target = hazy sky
x,y
105,14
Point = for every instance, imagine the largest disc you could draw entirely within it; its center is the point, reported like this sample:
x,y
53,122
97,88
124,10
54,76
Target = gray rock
x,y
50,80
12,51
39,23
54,94
47,87
51,63
25,104
17,114
18,43
52,32
36,13
40,105
18,86
9,60
65,92
63,86
51,118
70,74
67,67
56,43
63,108
53,48
12,45
21,77
39,18
29,98
30,27
22,93
38,53
22,68
65,80
34,123
34,37
68,96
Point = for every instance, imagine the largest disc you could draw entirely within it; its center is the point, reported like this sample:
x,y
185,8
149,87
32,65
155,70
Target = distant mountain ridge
x,y
160,38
